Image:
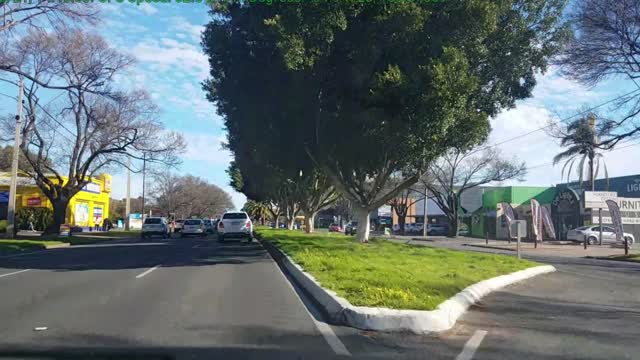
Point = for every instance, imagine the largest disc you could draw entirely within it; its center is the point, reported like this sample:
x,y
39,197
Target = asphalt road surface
x,y
198,299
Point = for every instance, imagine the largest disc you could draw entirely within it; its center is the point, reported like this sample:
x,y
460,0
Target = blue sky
x,y
165,40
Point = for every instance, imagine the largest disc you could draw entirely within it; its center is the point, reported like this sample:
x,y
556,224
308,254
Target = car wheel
x,y
629,241
250,239
592,240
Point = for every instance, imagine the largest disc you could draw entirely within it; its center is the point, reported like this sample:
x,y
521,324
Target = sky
x,y
164,38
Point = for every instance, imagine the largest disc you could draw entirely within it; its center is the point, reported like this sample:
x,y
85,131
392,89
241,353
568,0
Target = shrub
x,y
3,226
40,217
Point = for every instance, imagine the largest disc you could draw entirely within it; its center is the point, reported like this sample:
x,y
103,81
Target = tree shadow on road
x,y
180,253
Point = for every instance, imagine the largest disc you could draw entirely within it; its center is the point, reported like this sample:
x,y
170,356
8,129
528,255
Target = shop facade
x,y
88,208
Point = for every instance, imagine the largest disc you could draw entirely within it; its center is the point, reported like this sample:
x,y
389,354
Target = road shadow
x,y
139,255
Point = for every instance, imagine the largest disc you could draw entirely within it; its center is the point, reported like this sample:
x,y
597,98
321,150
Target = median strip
x,y
389,286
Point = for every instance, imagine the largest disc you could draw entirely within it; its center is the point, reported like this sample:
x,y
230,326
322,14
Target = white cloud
x,y
168,54
147,8
207,148
179,23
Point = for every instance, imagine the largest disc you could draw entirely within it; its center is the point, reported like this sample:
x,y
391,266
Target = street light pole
x,y
144,173
13,186
424,212
127,205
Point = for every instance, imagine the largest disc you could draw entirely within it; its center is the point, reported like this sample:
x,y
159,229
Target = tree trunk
x,y
290,223
362,229
309,217
401,222
59,215
593,181
453,225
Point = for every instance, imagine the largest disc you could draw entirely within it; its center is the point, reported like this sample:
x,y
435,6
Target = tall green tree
x,y
371,92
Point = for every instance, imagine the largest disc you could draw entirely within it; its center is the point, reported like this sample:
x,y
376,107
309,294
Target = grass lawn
x,y
16,246
386,274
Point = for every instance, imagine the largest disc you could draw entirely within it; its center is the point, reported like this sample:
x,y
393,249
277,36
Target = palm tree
x,y
581,138
257,210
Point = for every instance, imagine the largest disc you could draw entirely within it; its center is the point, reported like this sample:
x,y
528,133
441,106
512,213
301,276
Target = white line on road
x,y
327,332
15,272
472,345
147,272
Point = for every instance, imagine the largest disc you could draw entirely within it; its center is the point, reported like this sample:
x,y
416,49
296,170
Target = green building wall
x,y
514,195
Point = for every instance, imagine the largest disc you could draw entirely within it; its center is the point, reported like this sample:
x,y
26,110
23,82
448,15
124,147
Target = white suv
x,y
235,224
155,226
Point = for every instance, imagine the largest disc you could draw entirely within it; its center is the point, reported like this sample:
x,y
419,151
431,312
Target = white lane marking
x,y
147,272
15,272
472,345
327,332
40,328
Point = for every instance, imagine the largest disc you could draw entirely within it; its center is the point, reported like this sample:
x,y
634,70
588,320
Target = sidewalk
x,y
572,250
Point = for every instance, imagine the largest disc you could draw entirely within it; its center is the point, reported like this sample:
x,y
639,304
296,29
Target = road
x,y
198,299
587,309
172,299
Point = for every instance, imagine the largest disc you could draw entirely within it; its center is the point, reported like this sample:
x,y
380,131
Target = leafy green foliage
x,y
386,274
40,217
367,91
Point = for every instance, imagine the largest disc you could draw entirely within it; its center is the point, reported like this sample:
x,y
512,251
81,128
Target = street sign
x,y
598,199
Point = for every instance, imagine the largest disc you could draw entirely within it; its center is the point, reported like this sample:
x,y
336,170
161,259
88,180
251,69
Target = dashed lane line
x,y
472,345
147,272
15,272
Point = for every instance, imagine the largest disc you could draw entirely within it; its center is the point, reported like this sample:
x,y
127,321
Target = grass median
x,y
18,246
630,258
386,274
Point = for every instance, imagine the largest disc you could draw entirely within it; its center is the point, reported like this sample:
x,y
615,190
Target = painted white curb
x,y
340,311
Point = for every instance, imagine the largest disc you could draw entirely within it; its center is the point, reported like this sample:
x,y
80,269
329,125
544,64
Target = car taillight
x,y
248,224
221,225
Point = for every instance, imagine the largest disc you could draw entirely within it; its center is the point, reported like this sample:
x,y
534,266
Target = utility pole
x,y
13,186
425,221
144,180
127,210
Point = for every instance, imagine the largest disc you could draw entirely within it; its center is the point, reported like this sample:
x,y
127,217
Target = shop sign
x,y
81,215
34,201
107,184
97,215
92,188
384,210
566,195
629,204
598,199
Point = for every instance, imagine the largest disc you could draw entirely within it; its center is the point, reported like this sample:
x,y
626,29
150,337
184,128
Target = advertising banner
x,y
34,201
508,213
597,199
548,224
81,215
616,218
537,219
97,215
135,221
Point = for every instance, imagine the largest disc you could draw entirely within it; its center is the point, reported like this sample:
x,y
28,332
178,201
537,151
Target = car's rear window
x,y
179,221
192,222
582,228
152,221
234,216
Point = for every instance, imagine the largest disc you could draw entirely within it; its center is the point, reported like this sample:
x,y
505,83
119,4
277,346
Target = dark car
x,y
351,228
437,229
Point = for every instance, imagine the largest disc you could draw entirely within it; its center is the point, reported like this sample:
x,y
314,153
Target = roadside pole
x,y
127,210
144,180
518,246
600,224
13,186
425,220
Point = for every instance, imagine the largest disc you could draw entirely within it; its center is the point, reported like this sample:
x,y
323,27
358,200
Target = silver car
x,y
235,224
592,234
193,227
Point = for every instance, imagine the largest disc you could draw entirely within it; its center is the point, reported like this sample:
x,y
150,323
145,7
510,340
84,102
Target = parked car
x,y
351,228
235,224
193,227
592,235
155,226
208,226
335,228
417,228
437,229
179,224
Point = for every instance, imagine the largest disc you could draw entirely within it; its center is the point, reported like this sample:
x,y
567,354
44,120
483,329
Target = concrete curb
x,y
340,311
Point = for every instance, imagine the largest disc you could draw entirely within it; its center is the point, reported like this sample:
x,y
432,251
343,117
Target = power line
x,y
555,122
551,163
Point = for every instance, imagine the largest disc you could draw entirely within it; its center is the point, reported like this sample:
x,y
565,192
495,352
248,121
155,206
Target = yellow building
x,y
89,207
